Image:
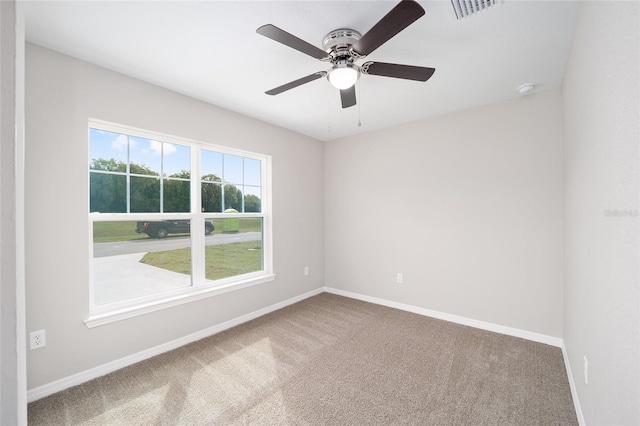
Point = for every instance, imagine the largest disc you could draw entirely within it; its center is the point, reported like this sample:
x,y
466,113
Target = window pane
x,y
176,196
251,172
145,156
232,198
176,161
232,169
107,151
252,202
145,195
211,197
108,193
234,249
211,166
131,260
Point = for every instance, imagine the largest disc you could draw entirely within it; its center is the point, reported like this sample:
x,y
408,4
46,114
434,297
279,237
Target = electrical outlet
x,y
399,278
306,271
37,339
586,370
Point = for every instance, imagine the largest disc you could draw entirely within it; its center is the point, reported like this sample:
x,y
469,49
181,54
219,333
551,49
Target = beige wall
x,y
61,94
602,286
468,206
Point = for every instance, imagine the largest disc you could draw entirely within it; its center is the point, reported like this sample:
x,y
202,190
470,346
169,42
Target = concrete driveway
x,y
119,275
123,277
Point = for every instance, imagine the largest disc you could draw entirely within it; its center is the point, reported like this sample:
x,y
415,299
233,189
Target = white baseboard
x,y
515,332
572,385
101,370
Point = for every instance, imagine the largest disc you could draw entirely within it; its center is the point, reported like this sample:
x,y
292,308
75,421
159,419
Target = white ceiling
x,y
209,50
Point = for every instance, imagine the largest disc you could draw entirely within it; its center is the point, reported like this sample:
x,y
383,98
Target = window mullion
x,y
265,194
242,197
161,177
222,185
197,222
128,172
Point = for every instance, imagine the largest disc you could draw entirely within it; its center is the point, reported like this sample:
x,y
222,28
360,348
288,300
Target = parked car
x,y
162,228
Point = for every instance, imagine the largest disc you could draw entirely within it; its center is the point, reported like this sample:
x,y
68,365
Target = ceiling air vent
x,y
464,8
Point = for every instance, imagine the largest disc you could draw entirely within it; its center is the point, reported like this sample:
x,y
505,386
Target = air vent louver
x,y
464,8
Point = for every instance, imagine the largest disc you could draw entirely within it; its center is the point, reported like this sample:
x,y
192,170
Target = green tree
x,y
144,194
141,169
110,165
184,174
176,193
252,204
211,193
108,191
232,198
113,165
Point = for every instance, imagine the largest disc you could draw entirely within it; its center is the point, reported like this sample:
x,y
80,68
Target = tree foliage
x,y
141,169
176,196
252,204
108,165
184,174
113,165
144,193
108,191
211,191
232,198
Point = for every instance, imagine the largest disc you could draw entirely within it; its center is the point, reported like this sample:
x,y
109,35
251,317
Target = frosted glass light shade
x,y
343,77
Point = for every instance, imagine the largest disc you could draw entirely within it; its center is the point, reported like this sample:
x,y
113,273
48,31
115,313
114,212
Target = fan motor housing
x,y
338,42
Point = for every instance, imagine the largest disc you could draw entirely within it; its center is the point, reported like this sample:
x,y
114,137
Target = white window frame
x,y
200,288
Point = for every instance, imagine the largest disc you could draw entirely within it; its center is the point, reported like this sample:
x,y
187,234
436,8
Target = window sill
x,y
102,318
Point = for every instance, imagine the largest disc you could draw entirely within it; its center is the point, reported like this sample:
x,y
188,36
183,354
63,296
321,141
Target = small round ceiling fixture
x,y
526,88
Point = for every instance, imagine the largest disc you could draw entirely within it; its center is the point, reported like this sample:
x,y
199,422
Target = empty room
x,y
320,212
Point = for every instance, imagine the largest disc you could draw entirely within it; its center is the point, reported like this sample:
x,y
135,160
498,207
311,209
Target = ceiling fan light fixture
x,y
344,46
343,75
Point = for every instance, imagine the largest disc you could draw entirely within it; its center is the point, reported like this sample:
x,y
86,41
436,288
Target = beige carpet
x,y
330,360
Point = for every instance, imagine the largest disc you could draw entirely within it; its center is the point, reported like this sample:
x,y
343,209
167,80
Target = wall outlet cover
x,y
37,339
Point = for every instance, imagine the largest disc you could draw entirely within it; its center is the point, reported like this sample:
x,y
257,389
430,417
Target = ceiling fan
x,y
343,47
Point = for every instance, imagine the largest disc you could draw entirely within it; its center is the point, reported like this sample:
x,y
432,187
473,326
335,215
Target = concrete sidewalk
x,y
123,277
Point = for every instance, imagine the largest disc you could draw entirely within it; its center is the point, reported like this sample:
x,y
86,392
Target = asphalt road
x,y
170,243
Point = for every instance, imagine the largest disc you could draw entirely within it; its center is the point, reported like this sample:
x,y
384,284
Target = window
x,y
172,220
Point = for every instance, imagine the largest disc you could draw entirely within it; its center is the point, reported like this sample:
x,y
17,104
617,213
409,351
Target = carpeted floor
x,y
330,360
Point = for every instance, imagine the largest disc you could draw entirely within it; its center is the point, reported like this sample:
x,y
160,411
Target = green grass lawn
x,y
246,225
225,260
108,232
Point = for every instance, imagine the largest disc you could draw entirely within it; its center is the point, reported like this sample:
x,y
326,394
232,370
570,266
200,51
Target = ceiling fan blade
x,y
348,97
400,17
281,36
408,72
296,83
